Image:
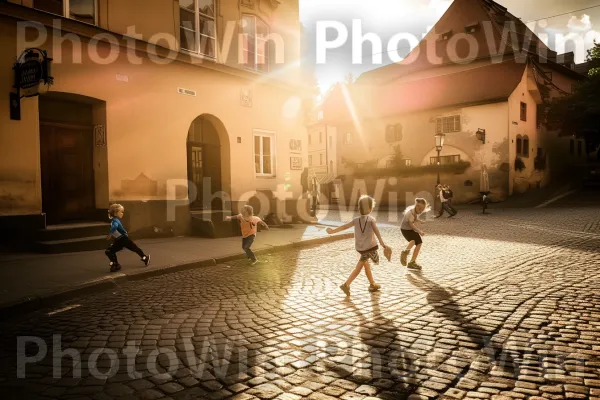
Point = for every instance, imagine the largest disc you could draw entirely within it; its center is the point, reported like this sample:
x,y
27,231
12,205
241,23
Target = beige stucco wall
x,y
147,121
418,142
527,93
20,191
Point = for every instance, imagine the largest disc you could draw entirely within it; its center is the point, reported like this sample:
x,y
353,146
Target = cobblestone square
x,y
506,307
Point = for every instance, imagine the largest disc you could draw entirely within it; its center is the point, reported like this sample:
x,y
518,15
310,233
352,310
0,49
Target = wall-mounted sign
x,y
295,163
246,97
99,135
15,107
31,69
295,146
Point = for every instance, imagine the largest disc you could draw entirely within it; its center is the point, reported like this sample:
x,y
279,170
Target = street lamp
x,y
439,143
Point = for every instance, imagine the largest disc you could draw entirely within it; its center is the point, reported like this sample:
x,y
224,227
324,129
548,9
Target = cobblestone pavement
x,y
507,306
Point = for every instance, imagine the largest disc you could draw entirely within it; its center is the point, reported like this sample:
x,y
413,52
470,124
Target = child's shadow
x,y
379,335
442,301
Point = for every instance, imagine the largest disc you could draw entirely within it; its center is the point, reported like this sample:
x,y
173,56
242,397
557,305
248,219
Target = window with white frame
x,y
255,34
80,10
348,138
264,153
448,124
197,27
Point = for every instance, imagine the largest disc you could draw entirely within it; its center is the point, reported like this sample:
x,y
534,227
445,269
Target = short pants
x,y
411,235
370,254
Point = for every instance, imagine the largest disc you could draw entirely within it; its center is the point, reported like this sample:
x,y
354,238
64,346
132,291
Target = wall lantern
x,y
481,135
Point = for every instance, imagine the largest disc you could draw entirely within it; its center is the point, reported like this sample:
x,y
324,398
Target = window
x,y
320,159
579,148
523,111
254,43
446,35
540,152
472,28
80,10
453,159
264,153
519,145
197,30
572,147
448,124
320,137
525,152
310,161
393,133
348,138
309,139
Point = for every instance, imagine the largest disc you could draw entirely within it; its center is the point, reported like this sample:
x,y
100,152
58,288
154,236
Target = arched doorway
x,y
208,162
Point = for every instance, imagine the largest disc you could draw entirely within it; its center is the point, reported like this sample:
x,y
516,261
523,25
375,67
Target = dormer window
x,y
472,28
446,35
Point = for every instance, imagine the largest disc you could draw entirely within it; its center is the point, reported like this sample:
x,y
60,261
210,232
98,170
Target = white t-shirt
x,y
409,217
364,236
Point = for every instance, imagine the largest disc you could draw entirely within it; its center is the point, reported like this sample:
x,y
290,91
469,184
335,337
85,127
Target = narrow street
x,y
507,306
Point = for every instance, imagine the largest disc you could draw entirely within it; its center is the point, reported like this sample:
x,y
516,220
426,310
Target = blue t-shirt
x,y
116,228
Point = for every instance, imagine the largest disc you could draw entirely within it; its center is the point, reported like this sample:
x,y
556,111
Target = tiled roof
x,y
488,83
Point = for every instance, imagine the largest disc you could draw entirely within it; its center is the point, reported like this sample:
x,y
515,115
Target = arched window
x,y
525,150
519,145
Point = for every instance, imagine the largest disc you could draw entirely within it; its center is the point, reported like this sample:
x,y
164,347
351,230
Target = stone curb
x,y
33,303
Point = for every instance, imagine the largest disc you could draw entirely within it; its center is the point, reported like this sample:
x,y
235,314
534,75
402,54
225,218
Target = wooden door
x,y
67,172
195,173
212,170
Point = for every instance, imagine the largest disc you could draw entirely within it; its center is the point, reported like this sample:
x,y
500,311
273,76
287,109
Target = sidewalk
x,y
31,281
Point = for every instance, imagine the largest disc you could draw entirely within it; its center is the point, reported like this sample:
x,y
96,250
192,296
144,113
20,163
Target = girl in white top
x,y
365,230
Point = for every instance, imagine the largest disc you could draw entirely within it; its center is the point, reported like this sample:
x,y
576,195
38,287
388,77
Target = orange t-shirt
x,y
249,226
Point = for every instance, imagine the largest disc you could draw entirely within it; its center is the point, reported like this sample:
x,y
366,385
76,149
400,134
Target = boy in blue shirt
x,y
117,231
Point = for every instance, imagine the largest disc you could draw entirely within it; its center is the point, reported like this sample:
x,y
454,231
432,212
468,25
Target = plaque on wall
x,y
247,3
295,163
296,146
99,135
246,97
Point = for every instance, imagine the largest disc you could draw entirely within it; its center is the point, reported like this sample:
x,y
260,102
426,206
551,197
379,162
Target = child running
x,y
365,230
412,233
249,224
115,213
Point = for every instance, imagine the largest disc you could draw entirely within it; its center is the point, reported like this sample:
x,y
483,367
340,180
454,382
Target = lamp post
x,y
439,143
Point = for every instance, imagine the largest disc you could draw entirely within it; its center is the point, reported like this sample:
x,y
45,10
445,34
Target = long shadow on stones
x,y
387,362
441,299
216,325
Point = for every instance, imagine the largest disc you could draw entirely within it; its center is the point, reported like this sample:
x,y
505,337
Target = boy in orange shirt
x,y
249,224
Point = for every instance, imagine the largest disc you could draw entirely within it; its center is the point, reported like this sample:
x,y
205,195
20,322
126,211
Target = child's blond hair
x,y
366,204
419,200
113,209
248,210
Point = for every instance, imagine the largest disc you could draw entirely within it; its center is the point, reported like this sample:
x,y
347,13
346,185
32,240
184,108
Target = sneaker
x,y
146,259
253,262
414,265
114,267
345,289
374,288
404,256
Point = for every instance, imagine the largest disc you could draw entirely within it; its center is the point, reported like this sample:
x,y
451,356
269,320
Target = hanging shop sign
x,y
32,69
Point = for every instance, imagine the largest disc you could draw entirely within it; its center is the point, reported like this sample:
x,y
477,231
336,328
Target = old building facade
x,y
480,69
191,106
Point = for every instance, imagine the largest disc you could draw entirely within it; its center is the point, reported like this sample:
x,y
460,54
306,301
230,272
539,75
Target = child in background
x,y
117,231
365,230
249,225
411,233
